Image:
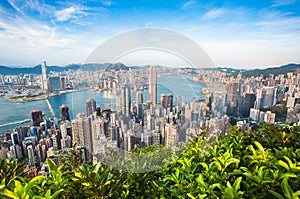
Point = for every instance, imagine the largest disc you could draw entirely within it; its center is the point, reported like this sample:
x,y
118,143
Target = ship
x,y
205,91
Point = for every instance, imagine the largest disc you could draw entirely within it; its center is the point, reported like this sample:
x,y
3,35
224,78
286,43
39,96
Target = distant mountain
x,y
265,72
119,66
107,66
5,70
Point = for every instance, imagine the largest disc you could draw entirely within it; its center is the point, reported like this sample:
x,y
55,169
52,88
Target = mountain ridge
x,y
6,70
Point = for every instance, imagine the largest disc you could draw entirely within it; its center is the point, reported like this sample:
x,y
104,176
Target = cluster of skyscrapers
x,y
136,122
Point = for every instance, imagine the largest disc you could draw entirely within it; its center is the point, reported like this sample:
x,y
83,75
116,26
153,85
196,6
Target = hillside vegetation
x,y
289,68
260,164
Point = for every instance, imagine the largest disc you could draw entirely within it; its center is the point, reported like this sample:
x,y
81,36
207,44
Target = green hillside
x,y
266,72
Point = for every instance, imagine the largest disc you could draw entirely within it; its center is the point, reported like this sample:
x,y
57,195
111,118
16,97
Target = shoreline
x,y
44,96
196,79
211,85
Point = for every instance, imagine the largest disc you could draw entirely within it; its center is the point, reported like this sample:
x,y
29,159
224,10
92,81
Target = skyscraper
x,y
90,106
166,101
30,153
44,76
232,98
139,97
153,85
82,132
64,112
126,101
139,105
266,97
63,83
248,103
37,117
54,84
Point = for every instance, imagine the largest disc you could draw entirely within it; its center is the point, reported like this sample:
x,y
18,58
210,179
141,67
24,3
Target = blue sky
x,y
241,34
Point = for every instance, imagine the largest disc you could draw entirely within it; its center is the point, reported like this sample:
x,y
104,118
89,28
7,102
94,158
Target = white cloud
x,y
278,21
188,4
15,7
36,5
278,3
70,13
213,13
107,2
31,34
253,53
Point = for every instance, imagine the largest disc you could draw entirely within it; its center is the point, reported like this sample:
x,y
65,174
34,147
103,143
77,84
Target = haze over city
x,y
251,34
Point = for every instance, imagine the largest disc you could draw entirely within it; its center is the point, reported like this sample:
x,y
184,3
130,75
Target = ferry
x,y
205,91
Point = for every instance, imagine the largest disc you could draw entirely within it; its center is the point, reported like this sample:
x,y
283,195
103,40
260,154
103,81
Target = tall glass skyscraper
x,y
90,106
44,77
153,85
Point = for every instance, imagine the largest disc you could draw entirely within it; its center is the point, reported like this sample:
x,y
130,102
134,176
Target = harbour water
x,y
18,114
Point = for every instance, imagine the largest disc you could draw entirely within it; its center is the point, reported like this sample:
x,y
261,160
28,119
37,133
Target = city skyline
x,y
253,34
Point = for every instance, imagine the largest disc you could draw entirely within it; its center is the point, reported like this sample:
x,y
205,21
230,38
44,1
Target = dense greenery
x,y
260,164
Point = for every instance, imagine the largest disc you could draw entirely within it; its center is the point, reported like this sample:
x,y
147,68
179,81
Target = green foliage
x,y
11,169
259,164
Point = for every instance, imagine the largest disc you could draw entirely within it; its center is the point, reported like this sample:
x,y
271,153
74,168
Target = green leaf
x,y
191,196
284,165
78,175
32,182
236,184
51,165
97,167
287,190
202,196
56,194
291,165
277,195
218,165
9,194
259,146
287,175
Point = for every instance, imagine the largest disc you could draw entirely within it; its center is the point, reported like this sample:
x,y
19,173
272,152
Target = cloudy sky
x,y
240,34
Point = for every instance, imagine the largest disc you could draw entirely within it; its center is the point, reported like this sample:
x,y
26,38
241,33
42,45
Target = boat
x,y
205,91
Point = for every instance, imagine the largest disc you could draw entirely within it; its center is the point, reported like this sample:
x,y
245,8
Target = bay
x,y
13,115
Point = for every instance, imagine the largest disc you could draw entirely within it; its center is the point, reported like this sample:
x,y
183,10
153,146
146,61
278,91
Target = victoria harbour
x,y
76,101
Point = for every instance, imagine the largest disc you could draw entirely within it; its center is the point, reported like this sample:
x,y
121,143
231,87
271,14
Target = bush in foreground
x,y
260,164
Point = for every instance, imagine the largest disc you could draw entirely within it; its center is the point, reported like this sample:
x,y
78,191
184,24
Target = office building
x,y
139,105
44,76
37,117
266,97
126,101
63,83
249,102
31,157
64,112
269,117
90,106
232,98
166,100
82,132
54,84
153,85
290,102
254,114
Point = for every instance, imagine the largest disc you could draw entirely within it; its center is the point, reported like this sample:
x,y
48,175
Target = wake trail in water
x,y
12,123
